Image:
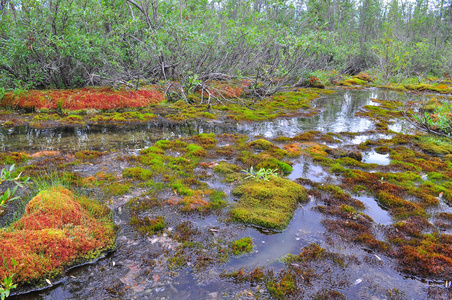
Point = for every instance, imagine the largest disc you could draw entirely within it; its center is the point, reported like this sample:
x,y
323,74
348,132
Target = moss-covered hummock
x,y
269,203
57,230
242,245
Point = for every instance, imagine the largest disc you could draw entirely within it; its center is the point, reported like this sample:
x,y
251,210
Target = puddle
x,y
378,214
376,158
308,170
304,228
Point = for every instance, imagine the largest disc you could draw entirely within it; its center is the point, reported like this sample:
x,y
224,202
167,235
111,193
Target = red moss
x,y
86,98
56,230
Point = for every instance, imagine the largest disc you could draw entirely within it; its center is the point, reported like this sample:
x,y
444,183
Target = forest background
x,y
77,43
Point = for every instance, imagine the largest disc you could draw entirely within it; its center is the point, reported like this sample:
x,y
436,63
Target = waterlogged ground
x,y
345,242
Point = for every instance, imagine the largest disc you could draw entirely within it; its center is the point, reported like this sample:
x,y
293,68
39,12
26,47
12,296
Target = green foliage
x,y
438,120
262,174
73,43
7,285
6,175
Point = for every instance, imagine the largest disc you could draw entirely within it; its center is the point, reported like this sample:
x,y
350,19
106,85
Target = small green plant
x,y
18,92
262,174
2,93
439,120
7,285
6,175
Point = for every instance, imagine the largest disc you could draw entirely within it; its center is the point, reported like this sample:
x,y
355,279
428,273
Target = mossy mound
x,y
441,88
434,145
56,231
261,144
242,245
269,203
353,82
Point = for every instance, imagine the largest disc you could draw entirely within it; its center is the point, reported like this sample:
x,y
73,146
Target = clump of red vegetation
x,y
227,89
56,231
419,253
86,98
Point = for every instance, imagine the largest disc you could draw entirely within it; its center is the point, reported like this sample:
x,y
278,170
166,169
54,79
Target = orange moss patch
x,y
293,149
227,89
45,153
314,149
86,98
57,230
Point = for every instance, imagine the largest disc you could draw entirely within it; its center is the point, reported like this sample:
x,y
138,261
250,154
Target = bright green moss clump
x,y
137,173
269,203
435,145
261,144
242,245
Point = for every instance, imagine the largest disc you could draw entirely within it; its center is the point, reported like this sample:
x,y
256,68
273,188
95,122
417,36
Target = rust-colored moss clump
x,y
57,230
86,98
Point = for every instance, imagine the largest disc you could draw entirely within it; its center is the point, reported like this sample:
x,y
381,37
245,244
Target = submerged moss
x,y
147,225
269,203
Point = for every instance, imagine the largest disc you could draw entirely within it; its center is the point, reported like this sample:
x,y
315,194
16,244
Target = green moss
x,y
206,140
435,145
231,172
154,149
348,209
273,163
74,119
400,208
147,225
116,189
163,144
195,150
353,81
261,144
282,289
181,189
435,176
309,253
10,158
382,150
226,168
241,246
177,261
137,173
268,203
208,115
217,199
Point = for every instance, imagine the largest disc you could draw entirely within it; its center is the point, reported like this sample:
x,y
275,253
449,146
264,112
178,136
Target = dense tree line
x,y
74,43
